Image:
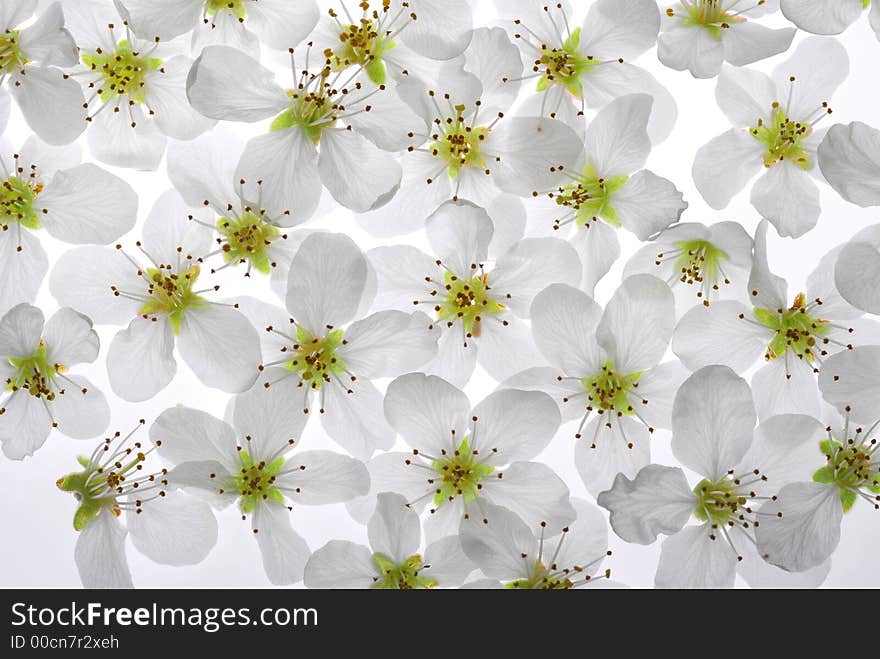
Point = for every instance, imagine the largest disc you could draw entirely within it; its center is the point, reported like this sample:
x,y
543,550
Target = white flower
x,y
51,102
246,230
700,263
606,189
585,66
165,525
400,37
463,458
713,422
775,130
242,24
37,393
164,303
135,88
800,528
393,560
331,129
478,312
45,187
829,16
250,463
794,337
605,370
700,35
849,158
507,550
325,357
467,145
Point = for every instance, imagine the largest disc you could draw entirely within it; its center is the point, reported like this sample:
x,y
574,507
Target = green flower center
x,y
310,111
17,198
362,44
609,391
709,14
459,145
123,72
403,576
698,263
255,482
467,300
314,357
213,7
717,502
34,374
11,56
100,485
542,578
588,199
784,139
793,330
564,65
459,474
246,239
171,294
852,468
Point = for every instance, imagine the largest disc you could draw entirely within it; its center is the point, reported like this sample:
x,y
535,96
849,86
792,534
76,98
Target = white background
x,y
36,549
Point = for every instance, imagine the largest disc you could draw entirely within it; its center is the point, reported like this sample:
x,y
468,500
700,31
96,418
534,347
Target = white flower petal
x,y
282,23
324,477
819,66
394,529
647,204
850,160
221,347
850,380
204,168
174,530
23,265
81,411
287,164
534,492
269,418
425,410
564,321
166,95
692,48
355,420
225,83
400,272
787,197
514,425
459,233
696,557
503,546
504,349
712,421
443,29
529,267
508,214
100,553
786,385
617,142
326,282
456,357
637,324
857,268
51,104
658,500
389,472
358,174
724,165
389,121
767,290
821,16
745,96
341,564
653,400
719,334
604,452
598,247
446,562
808,531
161,18
140,362
748,42
168,233
20,331
620,28
87,205
388,343
497,63
46,41
785,451
14,13
24,425
183,435
284,552
114,141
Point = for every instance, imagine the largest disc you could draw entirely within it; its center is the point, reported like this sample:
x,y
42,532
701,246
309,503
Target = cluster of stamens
x,y
697,264
17,196
714,15
11,56
35,375
547,574
401,576
853,465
